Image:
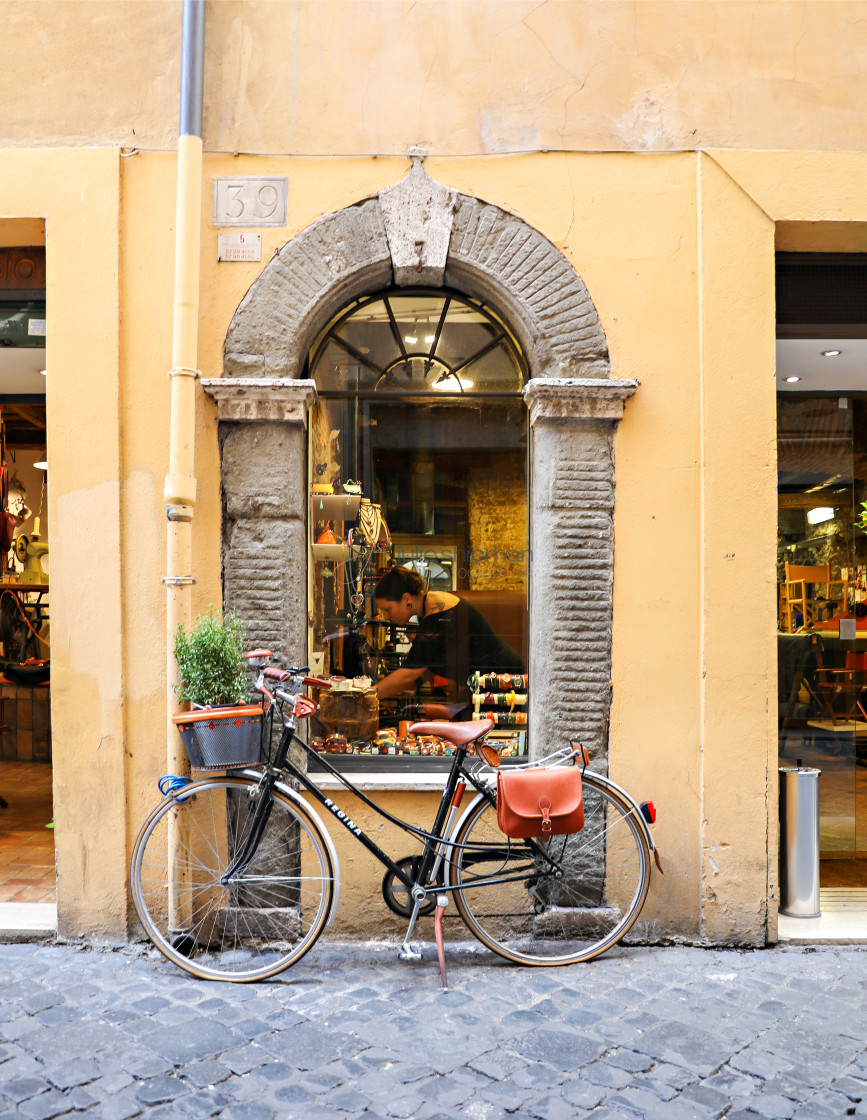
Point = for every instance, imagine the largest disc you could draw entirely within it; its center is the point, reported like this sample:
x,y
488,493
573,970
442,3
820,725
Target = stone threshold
x,y
27,921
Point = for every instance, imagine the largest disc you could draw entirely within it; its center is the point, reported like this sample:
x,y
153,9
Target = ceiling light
x,y
44,372
831,353
411,339
42,465
820,514
448,385
430,339
792,379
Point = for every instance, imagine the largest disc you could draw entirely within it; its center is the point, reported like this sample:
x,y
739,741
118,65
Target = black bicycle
x,y
235,876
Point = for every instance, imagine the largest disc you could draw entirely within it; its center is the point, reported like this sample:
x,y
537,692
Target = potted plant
x,y
222,731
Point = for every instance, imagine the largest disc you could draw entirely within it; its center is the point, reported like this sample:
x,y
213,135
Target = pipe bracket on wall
x,y
185,371
179,513
178,581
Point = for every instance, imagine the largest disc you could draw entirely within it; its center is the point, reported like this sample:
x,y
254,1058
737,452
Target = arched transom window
x,y
413,341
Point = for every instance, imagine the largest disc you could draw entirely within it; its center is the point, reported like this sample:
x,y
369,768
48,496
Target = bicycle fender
x,y
294,795
636,811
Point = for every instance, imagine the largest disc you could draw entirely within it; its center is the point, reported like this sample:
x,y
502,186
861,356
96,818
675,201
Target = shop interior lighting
x,y
448,383
831,353
429,339
42,465
412,339
791,380
44,372
819,514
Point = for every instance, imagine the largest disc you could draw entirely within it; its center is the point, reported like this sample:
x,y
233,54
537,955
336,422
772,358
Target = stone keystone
x,y
418,215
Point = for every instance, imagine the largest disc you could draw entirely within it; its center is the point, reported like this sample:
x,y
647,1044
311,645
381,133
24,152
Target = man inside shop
x,y
453,640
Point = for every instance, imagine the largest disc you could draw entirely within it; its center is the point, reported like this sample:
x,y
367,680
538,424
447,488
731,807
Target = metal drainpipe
x,y
180,485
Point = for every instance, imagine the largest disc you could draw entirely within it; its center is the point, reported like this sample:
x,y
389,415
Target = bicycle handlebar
x,y
316,682
274,674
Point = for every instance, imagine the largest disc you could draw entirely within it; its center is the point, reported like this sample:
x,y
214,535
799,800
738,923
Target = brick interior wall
x,y
497,517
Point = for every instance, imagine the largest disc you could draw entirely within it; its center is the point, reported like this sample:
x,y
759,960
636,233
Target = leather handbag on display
x,y
543,802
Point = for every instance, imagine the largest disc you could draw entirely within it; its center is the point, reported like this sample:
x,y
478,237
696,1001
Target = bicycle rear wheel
x,y
266,916
556,902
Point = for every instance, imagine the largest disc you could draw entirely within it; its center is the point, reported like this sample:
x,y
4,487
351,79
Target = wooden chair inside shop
x,y
844,686
801,669
799,594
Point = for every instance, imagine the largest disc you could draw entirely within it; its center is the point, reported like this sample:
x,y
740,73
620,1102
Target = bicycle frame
x,y
436,842
432,840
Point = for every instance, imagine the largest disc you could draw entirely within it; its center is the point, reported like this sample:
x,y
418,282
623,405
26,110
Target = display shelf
x,y
335,507
330,552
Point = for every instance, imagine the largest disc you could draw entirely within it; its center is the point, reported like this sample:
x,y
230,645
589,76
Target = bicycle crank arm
x,y
405,952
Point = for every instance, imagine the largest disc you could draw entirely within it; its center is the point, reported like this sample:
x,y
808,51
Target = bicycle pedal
x,y
405,952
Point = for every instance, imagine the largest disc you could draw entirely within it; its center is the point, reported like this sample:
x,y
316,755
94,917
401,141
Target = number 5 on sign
x,y
250,200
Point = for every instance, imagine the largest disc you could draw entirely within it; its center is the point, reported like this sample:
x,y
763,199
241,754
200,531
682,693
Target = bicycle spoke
x,y
569,900
263,918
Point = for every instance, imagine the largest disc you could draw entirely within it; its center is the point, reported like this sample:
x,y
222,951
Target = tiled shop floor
x,y
27,871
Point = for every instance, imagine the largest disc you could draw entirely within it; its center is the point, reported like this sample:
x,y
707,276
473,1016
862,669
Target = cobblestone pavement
x,y
659,1033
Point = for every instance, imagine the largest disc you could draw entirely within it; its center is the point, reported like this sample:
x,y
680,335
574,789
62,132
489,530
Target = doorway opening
x,y
822,560
27,864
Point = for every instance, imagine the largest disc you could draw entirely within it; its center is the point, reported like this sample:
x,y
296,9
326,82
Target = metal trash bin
x,y
799,841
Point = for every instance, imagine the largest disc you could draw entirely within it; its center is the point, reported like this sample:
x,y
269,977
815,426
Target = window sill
x,y
401,781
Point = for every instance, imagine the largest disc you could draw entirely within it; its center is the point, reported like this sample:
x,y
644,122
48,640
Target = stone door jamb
x,y
572,425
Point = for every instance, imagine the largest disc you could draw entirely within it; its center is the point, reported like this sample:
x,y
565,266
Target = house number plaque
x,y
250,200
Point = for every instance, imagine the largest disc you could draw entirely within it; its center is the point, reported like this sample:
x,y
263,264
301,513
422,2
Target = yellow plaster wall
x,y
472,77
737,547
676,250
362,911
76,194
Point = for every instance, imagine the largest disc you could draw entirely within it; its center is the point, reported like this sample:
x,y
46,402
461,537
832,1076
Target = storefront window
x,y
418,460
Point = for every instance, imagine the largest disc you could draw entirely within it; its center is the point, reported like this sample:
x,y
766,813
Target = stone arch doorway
x,y
420,233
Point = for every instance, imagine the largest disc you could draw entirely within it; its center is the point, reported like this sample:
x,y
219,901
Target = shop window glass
x,y
419,438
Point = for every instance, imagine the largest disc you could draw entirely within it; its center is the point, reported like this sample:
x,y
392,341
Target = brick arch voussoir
x,y
337,259
495,256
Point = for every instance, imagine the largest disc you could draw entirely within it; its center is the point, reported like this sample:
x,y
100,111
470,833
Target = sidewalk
x,y
658,1033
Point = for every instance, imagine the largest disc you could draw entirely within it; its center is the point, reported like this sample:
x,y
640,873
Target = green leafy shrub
x,y
211,663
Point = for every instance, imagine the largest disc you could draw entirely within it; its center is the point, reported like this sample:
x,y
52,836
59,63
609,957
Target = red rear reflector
x,y
648,811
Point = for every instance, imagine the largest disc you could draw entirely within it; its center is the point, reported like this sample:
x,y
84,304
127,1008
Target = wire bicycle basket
x,y
224,738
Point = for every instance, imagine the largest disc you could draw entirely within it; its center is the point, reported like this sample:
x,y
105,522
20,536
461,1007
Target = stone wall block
x,y
265,581
264,467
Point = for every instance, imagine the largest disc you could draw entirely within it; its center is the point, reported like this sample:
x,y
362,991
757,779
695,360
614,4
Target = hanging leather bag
x,y
543,802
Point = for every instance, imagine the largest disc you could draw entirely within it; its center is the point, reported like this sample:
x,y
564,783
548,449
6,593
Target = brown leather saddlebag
x,y
540,802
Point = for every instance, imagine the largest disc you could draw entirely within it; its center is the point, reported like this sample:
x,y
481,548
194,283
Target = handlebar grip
x,y
275,674
315,682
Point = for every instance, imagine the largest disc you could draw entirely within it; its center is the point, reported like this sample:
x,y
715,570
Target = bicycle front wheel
x,y
559,901
207,910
